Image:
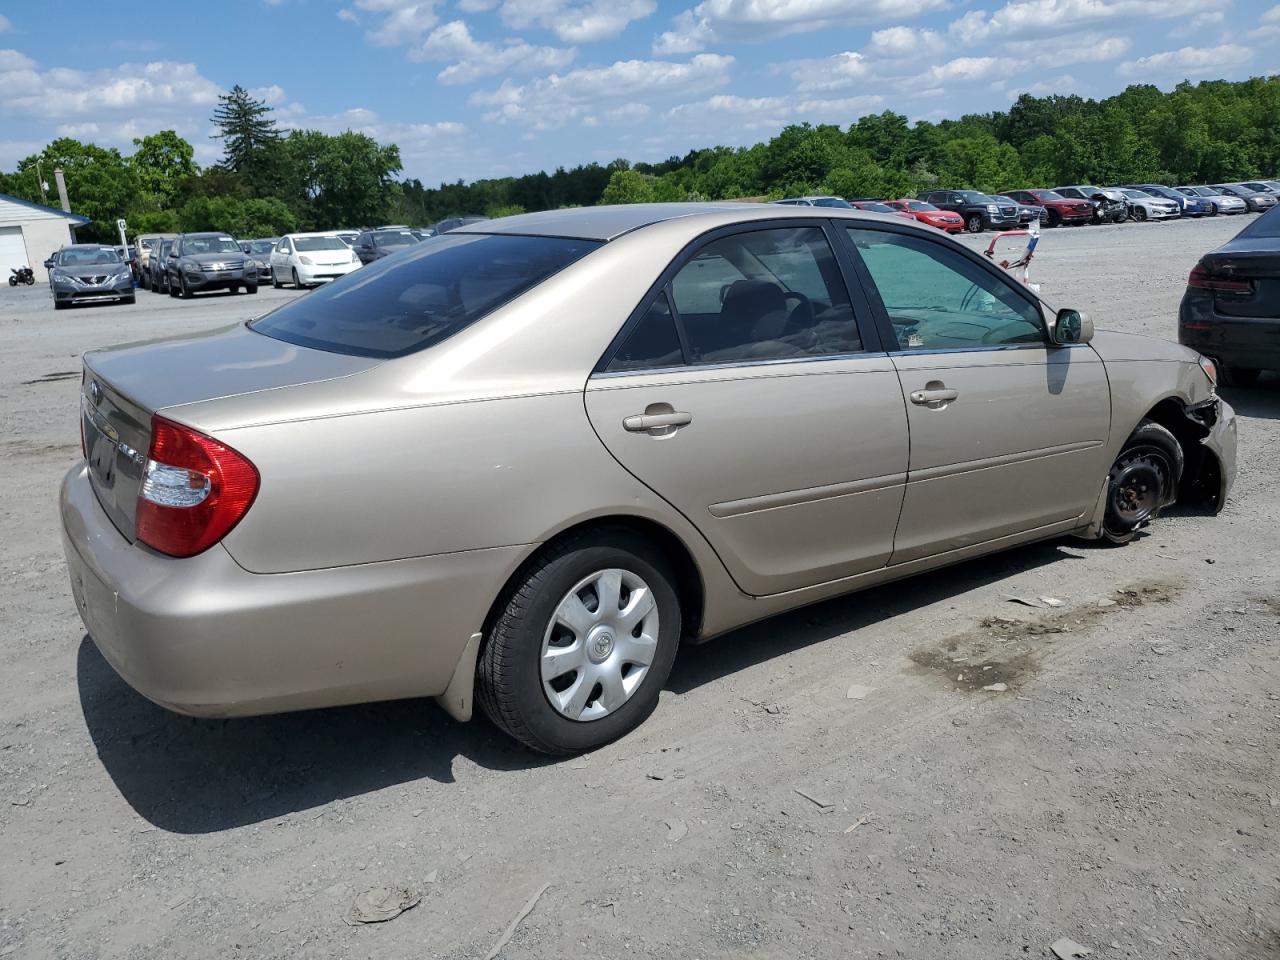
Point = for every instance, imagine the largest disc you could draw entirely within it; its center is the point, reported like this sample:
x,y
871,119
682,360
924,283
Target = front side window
x,y
765,295
403,304
937,299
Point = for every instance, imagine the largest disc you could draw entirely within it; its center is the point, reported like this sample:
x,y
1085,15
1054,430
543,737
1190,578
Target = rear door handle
x,y
656,421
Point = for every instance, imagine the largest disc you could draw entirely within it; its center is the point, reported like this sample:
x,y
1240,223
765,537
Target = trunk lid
x,y
1250,262
124,386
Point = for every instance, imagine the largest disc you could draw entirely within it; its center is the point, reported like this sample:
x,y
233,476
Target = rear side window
x,y
654,343
403,304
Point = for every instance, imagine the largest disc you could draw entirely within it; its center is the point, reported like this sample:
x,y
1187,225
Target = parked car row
x,y
182,265
1071,205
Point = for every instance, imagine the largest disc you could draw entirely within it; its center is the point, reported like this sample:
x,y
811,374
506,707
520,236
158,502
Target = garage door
x,y
13,252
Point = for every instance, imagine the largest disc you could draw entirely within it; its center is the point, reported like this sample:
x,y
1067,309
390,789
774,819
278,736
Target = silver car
x,y
1222,202
522,463
1143,206
89,272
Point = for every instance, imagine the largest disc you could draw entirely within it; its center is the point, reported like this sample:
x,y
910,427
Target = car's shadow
x,y
1262,400
199,776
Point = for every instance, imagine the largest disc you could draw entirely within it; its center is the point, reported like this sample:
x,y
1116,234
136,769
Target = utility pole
x,y
44,187
62,189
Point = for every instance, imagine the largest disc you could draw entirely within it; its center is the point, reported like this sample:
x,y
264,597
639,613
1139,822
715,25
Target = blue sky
x,y
480,88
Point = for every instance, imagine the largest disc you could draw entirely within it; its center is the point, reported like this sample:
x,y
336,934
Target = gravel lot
x,y
1124,792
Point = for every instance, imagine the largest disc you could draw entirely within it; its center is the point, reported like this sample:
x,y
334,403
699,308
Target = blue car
x,y
1187,206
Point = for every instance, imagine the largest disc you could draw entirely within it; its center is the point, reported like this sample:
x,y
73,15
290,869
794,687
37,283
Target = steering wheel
x,y
799,319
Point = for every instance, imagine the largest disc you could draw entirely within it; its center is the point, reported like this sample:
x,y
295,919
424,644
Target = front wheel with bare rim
x,y
583,645
1143,481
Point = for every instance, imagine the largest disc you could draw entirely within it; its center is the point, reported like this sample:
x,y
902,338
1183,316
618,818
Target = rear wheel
x,y
579,653
1143,481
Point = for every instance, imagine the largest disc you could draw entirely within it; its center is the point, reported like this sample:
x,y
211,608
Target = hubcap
x,y
599,645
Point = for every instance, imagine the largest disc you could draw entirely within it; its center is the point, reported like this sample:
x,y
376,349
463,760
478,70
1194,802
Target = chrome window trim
x,y
732,364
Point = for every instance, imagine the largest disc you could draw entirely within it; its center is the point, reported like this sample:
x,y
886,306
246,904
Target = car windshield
x,y
260,246
1136,194
98,257
1204,191
197,245
877,207
1047,195
310,244
400,305
833,202
973,196
920,205
394,238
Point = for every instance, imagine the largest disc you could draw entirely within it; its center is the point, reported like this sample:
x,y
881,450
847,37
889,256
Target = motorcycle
x,y
21,275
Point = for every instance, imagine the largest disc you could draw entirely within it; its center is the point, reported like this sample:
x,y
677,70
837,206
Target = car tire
x,y
250,288
973,223
184,291
130,299
1213,210
59,304
275,281
1140,214
1142,481
1055,218
510,685
1237,376
172,290
296,282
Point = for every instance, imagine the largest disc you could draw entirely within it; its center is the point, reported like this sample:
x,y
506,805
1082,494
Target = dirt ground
x,y
834,783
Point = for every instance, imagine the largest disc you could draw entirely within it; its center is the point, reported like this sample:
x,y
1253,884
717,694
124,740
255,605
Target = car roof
x,y
610,222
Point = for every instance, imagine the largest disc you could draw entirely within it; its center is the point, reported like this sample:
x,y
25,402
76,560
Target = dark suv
x,y
209,261
980,212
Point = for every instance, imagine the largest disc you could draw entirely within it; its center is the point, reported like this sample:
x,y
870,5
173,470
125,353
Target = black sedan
x,y
1231,310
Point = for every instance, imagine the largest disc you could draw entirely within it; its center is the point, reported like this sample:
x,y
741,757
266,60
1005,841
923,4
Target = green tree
x,y
243,219
101,184
162,161
249,137
627,186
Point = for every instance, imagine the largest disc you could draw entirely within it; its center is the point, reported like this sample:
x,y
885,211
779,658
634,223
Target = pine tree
x,y
248,133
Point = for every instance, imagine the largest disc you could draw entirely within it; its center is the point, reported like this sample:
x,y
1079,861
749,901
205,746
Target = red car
x,y
1061,209
879,206
928,213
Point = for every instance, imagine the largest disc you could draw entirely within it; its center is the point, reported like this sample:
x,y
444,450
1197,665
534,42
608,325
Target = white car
x,y
308,259
1143,206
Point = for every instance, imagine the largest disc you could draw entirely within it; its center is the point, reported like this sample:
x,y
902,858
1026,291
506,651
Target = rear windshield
x,y
878,207
399,305
394,238
305,244
1267,225
88,258
260,246
833,202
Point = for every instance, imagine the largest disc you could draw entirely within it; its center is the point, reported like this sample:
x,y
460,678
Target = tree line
x,y
269,182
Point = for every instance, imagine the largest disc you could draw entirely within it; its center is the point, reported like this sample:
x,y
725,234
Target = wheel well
x,y
1198,485
688,583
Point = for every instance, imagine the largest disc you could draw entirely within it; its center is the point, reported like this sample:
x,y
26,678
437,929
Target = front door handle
x,y
641,423
935,395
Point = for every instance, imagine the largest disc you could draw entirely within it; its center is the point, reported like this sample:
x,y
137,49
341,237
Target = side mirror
x,y
1071,326
48,264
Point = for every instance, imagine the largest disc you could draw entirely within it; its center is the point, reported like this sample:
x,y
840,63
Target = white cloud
x,y
959,70
272,96
479,58
149,88
828,73
576,22
476,6
728,111
1201,22
1272,15
1188,62
399,21
555,100
718,20
346,13
1065,49
902,42
1042,88
1046,17
4,23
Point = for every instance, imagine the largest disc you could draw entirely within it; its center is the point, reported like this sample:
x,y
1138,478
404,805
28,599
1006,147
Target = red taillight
x,y
194,490
1201,280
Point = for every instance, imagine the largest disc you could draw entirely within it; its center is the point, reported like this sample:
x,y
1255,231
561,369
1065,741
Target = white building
x,y
30,232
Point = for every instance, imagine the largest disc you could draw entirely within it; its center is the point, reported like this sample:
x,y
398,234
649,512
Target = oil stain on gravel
x,y
1007,650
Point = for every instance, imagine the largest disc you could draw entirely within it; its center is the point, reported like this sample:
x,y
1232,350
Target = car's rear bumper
x,y
205,637
1251,342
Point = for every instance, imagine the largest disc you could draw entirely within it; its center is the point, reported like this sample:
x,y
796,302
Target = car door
x,y
280,258
1008,431
749,390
